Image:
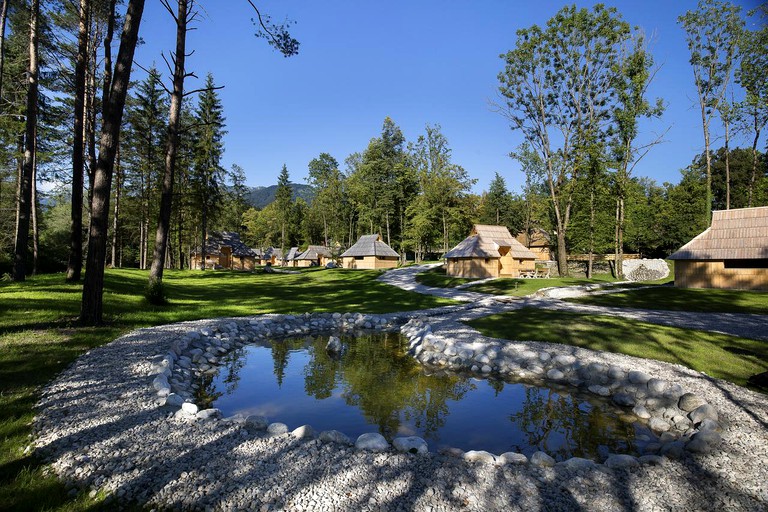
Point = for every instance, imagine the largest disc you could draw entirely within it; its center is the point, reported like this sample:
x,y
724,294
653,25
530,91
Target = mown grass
x,y
436,277
39,338
506,286
719,355
684,299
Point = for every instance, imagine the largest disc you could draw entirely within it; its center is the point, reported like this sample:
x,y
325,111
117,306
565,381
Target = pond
x,y
376,386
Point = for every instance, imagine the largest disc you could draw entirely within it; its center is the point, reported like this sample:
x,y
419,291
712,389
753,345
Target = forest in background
x,y
138,179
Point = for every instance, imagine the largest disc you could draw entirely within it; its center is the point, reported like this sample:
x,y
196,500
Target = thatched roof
x,y
485,241
314,252
370,245
292,253
216,241
740,234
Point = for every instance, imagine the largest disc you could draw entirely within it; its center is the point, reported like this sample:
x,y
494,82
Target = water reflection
x,y
375,385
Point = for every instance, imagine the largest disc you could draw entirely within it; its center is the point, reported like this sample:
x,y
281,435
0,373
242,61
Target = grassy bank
x,y
684,299
39,338
722,356
505,286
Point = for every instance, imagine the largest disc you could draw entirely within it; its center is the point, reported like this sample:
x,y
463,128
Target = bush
x,y
155,293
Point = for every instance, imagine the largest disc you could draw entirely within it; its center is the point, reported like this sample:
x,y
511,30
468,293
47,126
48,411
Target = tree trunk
x,y
591,233
386,217
708,156
753,178
3,18
726,124
172,148
35,225
203,247
620,256
562,254
25,189
75,263
180,231
93,285
116,220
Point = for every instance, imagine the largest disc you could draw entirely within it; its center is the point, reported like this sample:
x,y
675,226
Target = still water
x,y
376,386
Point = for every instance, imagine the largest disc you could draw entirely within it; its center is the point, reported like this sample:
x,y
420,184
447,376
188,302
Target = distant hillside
x,y
259,197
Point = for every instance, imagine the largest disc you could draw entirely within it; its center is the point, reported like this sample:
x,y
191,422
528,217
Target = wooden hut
x,y
225,250
538,242
732,253
271,256
370,252
289,258
489,251
315,255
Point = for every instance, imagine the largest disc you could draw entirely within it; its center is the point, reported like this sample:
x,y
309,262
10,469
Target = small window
x,y
359,258
487,260
761,263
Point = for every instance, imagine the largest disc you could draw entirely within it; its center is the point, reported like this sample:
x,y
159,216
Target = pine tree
x,y
207,173
283,203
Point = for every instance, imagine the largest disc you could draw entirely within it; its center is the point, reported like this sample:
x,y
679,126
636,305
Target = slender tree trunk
x,y
25,196
591,233
3,18
35,204
19,173
727,166
93,285
203,247
753,178
180,235
116,220
708,156
172,147
386,217
75,264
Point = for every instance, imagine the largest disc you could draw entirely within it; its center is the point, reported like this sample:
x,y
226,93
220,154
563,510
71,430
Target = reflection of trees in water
x,y
389,387
320,372
546,415
232,363
280,352
206,393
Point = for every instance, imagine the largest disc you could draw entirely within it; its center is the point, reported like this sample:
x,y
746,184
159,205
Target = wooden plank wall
x,y
475,268
713,274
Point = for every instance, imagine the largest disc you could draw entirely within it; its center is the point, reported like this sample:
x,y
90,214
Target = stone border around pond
x,y
684,421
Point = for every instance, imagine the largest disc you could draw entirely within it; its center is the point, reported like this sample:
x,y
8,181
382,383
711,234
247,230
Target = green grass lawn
x,y
521,287
39,338
719,355
505,286
684,299
436,277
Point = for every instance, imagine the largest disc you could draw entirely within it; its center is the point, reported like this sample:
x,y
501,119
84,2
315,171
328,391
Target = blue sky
x,y
419,62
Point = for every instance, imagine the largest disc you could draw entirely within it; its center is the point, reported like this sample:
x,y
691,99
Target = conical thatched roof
x,y
314,252
370,245
485,241
216,241
740,234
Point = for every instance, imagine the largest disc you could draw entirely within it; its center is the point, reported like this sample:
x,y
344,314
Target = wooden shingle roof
x,y
740,234
216,241
370,245
484,241
314,252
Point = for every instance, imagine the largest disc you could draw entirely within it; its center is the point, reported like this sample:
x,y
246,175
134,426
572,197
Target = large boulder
x,y
645,269
372,442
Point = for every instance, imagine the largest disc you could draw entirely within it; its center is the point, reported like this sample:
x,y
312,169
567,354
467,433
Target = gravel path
x,y
737,324
100,425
